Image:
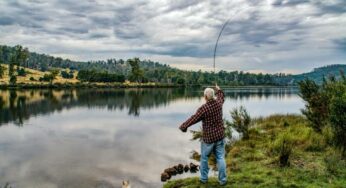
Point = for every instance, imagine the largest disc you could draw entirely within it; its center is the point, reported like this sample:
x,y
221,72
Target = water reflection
x,y
19,105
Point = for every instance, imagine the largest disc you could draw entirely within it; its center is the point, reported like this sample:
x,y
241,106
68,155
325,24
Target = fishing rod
x,y
217,42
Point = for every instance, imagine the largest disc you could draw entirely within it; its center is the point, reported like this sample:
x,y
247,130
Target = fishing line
x,y
218,38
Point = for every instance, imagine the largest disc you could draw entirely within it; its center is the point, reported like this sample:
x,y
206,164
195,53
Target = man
x,y
213,132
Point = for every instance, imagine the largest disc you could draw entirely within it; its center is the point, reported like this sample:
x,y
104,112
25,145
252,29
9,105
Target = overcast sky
x,y
270,36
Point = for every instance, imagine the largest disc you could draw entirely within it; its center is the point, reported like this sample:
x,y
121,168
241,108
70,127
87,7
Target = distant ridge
x,y
318,73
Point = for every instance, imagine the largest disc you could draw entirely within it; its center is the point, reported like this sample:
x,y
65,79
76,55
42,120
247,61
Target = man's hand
x,y
217,87
183,129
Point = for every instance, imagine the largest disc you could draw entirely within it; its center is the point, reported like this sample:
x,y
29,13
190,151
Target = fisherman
x,y
213,132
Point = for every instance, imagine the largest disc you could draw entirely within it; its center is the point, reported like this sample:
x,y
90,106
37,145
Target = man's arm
x,y
198,116
220,96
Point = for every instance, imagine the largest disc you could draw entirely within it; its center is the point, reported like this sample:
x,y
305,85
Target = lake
x,y
99,137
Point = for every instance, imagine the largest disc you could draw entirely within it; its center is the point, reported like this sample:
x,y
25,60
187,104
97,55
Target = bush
x,y
333,163
21,72
338,121
240,121
316,142
316,107
32,79
283,147
67,75
46,78
327,134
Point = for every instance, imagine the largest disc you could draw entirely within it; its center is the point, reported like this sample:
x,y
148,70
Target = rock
x,y
165,176
193,168
180,168
171,171
186,168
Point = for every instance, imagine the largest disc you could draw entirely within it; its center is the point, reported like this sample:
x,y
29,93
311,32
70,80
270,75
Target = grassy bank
x,y
256,162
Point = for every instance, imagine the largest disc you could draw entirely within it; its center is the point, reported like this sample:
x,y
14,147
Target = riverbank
x,y
256,162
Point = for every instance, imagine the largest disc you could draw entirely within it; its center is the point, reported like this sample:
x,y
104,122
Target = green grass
x,y
255,162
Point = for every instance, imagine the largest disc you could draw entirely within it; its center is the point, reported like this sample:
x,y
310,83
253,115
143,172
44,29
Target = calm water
x,y
99,137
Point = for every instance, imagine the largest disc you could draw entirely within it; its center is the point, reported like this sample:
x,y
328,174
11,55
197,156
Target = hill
x,y
161,73
318,73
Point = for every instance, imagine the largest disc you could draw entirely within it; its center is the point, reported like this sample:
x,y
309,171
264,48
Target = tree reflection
x,y
19,105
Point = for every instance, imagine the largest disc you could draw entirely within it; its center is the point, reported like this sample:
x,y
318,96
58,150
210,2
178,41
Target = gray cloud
x,y
277,35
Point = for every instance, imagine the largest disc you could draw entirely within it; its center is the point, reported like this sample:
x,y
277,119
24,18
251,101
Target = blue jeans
x,y
219,150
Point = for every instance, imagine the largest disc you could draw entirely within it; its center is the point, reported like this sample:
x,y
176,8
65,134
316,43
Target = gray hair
x,y
209,93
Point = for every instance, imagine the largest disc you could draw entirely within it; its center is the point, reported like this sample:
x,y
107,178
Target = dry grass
x,y
36,75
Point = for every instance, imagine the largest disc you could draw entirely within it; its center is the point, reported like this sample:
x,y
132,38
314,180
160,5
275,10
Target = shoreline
x,y
125,85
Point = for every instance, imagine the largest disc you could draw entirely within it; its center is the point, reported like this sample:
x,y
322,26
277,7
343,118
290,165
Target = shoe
x,y
203,182
223,184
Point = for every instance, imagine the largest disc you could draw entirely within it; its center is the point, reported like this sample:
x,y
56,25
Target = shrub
x,y
32,79
338,121
327,134
283,147
67,75
316,142
46,78
21,72
316,107
196,135
333,163
240,121
286,124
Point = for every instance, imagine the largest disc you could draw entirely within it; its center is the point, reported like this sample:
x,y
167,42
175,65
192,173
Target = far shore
x,y
44,85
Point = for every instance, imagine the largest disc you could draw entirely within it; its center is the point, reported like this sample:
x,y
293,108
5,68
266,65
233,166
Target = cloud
x,y
281,34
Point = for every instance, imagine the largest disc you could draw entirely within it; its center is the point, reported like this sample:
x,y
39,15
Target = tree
x,y
67,75
12,76
316,107
2,71
136,72
338,121
54,73
23,55
336,90
21,72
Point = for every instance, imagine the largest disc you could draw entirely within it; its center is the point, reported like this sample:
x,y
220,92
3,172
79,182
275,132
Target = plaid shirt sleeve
x,y
220,96
198,116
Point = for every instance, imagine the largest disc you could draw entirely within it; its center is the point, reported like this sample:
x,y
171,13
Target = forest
x,y
143,71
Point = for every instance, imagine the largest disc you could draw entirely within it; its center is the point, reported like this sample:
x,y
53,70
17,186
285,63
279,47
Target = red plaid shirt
x,y
210,114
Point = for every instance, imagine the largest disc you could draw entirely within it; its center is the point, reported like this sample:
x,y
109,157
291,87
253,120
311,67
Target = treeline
x,y
94,76
142,71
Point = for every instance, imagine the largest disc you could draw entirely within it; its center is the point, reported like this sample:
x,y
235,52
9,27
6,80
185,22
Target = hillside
x,y
156,72
36,75
318,73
